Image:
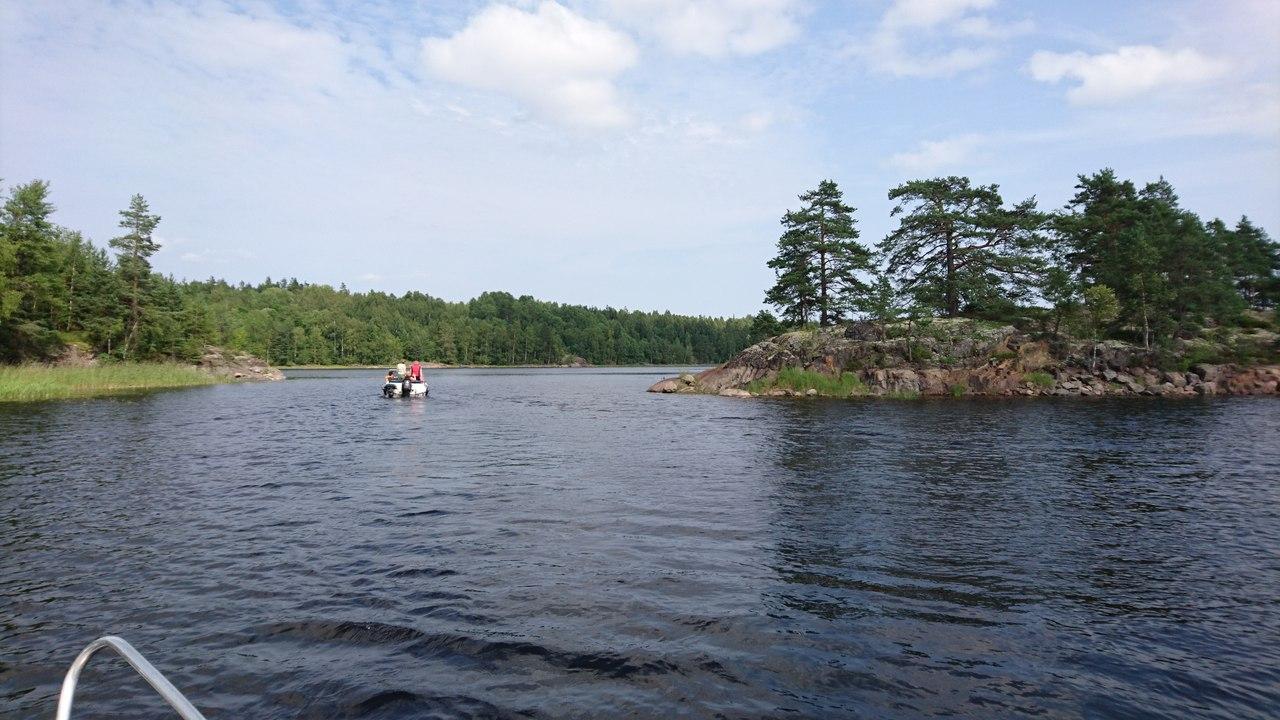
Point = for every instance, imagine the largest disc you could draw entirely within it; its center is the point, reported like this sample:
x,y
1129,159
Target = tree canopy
x,y
957,246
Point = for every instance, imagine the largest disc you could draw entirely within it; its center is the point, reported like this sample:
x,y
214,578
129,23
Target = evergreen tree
x,y
1252,259
794,291
957,246
1166,268
29,282
819,258
764,326
135,248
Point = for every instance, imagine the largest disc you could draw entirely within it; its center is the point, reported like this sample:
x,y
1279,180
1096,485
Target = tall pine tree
x,y
135,248
819,259
958,247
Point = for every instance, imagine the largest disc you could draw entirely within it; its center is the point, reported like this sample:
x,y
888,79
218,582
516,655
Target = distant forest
x,y
57,288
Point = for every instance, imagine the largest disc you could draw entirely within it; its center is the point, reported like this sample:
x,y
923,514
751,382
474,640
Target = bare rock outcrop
x,y
236,366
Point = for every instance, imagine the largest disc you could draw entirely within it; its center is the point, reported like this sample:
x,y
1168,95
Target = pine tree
x,y
1253,260
819,258
29,282
135,248
957,245
794,292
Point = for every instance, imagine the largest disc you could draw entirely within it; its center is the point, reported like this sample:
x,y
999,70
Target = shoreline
x,y
961,357
496,367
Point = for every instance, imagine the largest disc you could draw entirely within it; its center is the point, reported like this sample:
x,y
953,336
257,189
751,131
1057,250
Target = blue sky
x,y
633,153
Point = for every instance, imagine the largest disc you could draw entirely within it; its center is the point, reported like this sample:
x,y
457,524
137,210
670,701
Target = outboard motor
x,y
406,387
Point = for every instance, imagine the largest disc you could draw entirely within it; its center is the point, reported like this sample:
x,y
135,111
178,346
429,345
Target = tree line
x,y
56,288
1129,261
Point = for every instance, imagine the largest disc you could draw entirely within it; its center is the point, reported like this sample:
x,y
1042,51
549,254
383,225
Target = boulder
x,y
734,392
1206,372
664,386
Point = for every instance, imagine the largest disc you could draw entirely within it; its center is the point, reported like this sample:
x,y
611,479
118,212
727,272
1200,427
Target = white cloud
x,y
1125,73
895,47
929,13
932,156
553,60
714,28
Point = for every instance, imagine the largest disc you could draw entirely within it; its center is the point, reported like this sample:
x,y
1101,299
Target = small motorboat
x,y
405,388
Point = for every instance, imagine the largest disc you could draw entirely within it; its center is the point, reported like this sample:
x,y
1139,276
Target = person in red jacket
x,y
415,371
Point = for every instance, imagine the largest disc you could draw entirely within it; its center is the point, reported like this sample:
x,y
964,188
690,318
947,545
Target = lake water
x,y
560,544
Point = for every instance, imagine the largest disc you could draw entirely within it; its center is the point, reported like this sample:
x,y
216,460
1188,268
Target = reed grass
x,y
26,383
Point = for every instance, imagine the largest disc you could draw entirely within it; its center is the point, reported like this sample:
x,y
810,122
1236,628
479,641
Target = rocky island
x,y
957,357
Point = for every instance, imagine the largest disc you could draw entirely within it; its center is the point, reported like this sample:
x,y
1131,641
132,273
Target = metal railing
x,y
148,672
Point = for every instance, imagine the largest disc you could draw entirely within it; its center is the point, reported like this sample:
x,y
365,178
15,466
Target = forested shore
x,y
1118,261
57,288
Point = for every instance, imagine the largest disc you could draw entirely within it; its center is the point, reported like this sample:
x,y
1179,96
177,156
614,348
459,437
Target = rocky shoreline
x,y
962,357
226,365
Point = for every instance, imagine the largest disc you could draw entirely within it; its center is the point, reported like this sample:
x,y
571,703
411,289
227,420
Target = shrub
x,y
958,390
1004,355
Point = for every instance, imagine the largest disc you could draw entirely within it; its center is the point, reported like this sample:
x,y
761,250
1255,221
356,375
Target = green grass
x,y
958,390
24,383
902,395
1039,379
801,380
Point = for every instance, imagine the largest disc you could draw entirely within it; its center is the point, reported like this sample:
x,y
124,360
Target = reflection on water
x,y
561,544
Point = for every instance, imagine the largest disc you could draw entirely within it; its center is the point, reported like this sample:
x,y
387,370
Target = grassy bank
x,y
798,380
21,383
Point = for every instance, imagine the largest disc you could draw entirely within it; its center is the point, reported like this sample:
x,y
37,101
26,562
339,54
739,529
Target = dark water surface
x,y
561,544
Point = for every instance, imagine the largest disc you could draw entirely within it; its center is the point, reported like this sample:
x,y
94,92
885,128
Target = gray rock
x,y
664,386
237,367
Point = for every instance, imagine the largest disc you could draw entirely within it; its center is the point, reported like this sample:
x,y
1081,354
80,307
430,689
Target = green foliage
x,y
958,390
1098,307
1003,355
134,250
1039,378
957,247
1170,272
764,325
20,383
800,380
819,258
